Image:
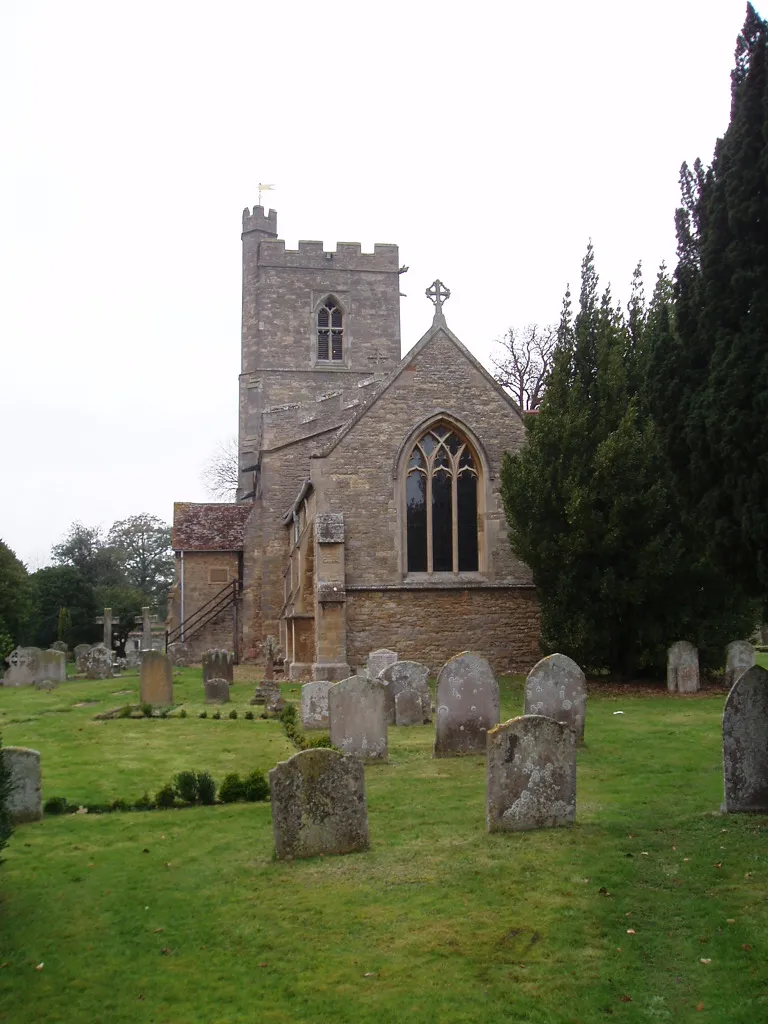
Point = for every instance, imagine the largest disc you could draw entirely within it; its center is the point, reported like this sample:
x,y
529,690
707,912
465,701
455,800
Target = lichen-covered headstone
x,y
745,744
409,708
51,667
740,655
98,662
133,658
358,719
531,775
25,802
318,804
405,675
180,654
59,645
314,704
22,667
467,701
218,664
81,654
156,686
379,660
683,668
556,687
216,691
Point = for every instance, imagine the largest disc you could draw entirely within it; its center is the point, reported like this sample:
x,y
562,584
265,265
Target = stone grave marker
x,y
98,662
745,744
314,704
682,668
146,619
22,667
556,687
132,658
216,691
405,675
156,686
318,804
467,701
530,775
218,664
25,801
740,655
180,654
80,653
51,667
59,645
358,719
379,660
107,622
409,708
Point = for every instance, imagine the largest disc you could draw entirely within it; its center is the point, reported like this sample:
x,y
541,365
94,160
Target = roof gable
x,y
209,526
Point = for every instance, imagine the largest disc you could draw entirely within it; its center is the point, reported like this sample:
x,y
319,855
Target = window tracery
x,y
330,332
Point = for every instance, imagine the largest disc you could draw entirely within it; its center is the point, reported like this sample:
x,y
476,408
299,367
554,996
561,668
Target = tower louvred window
x,y
330,332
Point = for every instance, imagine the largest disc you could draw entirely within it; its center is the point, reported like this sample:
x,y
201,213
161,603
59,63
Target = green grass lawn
x,y
183,915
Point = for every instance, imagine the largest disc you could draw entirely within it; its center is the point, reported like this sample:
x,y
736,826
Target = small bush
x,y
146,710
231,789
233,713
118,805
249,716
144,803
125,711
183,713
206,788
55,805
203,714
216,715
166,797
255,786
319,741
185,784
165,712
288,715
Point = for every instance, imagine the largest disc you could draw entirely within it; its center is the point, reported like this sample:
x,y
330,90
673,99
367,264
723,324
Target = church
x,y
368,512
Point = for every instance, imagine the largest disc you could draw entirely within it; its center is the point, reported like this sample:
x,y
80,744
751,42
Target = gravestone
x,y
22,667
156,686
318,804
98,662
379,660
80,653
216,691
107,621
467,701
358,719
409,708
59,645
556,687
314,704
745,744
180,654
51,667
530,775
25,801
146,619
740,655
268,691
405,675
683,668
132,658
218,664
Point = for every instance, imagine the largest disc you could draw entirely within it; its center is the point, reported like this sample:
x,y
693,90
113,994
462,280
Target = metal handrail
x,y
221,600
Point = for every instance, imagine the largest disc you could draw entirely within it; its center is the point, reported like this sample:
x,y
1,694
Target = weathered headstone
x,y
25,801
156,686
216,691
405,675
180,654
467,701
358,719
51,667
379,660
556,687
98,662
683,668
409,708
531,775
314,704
740,655
318,804
745,744
22,667
218,664
132,658
80,653
59,645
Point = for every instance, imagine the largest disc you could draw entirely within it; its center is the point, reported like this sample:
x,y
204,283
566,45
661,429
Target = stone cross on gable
x,y
147,620
107,621
438,294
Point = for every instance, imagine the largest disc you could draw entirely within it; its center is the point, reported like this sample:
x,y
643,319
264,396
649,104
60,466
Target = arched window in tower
x,y
441,503
330,332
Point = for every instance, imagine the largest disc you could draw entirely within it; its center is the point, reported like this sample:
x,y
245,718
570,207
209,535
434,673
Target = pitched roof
x,y
209,526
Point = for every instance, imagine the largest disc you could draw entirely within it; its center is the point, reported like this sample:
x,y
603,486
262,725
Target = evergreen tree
x,y
57,587
14,599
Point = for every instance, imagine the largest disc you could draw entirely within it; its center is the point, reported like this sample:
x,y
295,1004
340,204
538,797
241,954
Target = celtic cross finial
x,y
438,293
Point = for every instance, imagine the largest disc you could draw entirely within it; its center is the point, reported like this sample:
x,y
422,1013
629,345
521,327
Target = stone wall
x,y
199,588
432,626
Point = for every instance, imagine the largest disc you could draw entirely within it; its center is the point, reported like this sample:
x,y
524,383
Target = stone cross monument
x,y
147,620
107,621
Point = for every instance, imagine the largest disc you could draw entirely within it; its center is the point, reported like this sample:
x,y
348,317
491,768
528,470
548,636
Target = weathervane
x,y
264,188
438,293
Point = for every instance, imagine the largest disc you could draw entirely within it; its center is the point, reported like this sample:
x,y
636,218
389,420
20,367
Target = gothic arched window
x,y
441,492
330,331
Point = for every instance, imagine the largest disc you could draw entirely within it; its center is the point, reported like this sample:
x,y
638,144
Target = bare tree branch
x,y
221,473
524,360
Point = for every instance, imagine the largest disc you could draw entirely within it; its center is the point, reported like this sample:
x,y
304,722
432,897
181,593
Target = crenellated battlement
x,y
260,221
311,255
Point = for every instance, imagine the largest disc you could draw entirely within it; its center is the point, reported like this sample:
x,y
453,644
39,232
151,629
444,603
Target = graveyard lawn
x,y
651,907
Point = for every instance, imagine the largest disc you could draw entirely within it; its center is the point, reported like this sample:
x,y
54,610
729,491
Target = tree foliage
x,y
60,587
6,827
85,549
15,597
524,362
142,546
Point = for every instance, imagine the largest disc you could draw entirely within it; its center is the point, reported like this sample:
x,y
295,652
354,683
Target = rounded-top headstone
x,y
409,708
682,668
745,744
357,718
404,675
314,704
467,701
25,801
556,687
216,691
98,662
740,655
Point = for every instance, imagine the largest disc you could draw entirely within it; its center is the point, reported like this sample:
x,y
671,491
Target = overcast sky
x,y
491,141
